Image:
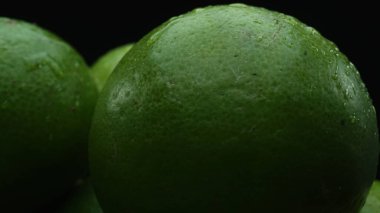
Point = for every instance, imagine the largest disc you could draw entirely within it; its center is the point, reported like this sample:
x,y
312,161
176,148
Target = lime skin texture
x,y
233,108
47,100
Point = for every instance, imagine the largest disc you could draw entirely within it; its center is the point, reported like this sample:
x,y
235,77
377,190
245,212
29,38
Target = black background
x,y
97,27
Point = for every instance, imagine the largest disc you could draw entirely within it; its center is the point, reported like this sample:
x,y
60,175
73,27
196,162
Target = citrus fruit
x,y
104,66
82,200
233,108
46,104
372,204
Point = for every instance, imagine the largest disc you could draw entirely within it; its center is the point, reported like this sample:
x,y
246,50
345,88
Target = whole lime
x,y
104,66
372,204
233,109
46,105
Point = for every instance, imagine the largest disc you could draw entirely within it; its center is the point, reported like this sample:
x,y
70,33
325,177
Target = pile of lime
x,y
228,108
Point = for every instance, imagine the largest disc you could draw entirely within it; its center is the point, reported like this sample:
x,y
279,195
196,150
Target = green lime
x,y
372,204
82,200
46,105
104,66
234,109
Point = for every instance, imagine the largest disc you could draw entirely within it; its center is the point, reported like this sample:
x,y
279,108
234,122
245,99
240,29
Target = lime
x,y
104,66
82,200
46,105
234,109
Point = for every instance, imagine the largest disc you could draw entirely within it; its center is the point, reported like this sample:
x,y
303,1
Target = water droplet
x,y
238,5
54,66
353,90
76,64
315,48
373,109
173,18
198,10
312,30
346,94
354,119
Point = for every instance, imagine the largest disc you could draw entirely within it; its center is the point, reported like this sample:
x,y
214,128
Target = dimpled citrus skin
x,y
104,66
233,109
46,104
